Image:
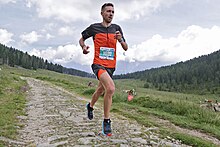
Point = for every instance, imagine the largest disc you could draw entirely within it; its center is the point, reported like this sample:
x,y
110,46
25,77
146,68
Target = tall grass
x,y
12,103
179,108
180,112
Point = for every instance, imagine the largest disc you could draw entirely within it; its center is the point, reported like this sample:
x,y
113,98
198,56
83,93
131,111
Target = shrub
x,y
88,91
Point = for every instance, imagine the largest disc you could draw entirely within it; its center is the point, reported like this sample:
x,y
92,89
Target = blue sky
x,y
158,32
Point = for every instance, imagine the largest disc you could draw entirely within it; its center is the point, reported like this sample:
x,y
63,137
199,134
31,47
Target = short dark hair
x,y
105,5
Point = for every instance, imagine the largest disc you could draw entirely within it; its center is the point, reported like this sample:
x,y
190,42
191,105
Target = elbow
x,y
80,40
126,47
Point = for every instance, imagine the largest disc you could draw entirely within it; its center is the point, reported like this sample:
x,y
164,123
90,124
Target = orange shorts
x,y
99,70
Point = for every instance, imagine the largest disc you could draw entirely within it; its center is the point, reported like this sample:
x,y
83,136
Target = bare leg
x,y
109,87
99,91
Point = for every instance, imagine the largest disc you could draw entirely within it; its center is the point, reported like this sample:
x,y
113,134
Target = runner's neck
x,y
106,24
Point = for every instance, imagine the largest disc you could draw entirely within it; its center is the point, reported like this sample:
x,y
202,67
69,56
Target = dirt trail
x,y
58,118
196,133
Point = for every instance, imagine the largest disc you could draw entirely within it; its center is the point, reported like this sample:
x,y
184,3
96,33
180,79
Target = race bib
x,y
107,53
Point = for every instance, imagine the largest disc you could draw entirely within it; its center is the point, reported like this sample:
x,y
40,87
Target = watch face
x,y
121,40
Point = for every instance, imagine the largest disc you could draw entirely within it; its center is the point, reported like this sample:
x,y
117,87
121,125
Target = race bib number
x,y
107,53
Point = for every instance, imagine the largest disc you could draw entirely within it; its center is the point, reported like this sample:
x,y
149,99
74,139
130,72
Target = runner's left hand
x,y
118,35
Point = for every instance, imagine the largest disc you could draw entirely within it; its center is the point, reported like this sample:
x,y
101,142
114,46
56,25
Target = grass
x,y
12,103
180,109
144,117
180,112
190,140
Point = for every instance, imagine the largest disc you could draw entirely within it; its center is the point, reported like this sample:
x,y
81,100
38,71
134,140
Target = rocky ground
x,y
56,117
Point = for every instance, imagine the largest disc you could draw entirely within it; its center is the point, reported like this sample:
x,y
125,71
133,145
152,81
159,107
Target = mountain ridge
x,y
201,74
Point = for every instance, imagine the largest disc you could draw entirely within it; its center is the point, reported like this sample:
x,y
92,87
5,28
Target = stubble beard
x,y
108,20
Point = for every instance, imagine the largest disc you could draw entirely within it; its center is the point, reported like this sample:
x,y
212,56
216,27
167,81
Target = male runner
x,y
105,36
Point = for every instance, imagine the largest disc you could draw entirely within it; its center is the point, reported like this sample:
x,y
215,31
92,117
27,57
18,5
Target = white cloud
x,y
7,1
50,26
65,31
192,42
138,9
65,10
49,36
88,10
65,54
5,36
30,37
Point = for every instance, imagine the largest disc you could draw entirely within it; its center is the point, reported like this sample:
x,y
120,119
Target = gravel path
x,y
56,117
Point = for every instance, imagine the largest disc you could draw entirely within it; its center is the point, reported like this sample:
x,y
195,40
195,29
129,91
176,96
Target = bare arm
x,y
124,45
118,36
83,46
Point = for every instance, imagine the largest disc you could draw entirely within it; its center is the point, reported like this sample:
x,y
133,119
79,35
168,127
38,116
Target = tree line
x,y
14,57
200,75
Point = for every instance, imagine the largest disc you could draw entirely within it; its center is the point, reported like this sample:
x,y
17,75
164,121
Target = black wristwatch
x,y
121,40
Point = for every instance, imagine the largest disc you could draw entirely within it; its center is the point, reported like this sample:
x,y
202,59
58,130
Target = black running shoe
x,y
106,128
89,110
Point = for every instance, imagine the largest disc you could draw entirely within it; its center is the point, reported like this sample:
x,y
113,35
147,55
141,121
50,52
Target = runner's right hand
x,y
85,49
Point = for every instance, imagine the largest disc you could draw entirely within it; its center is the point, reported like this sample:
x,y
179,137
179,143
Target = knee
x,y
110,90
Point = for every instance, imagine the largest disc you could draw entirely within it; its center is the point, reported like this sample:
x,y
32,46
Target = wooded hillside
x,y
14,57
201,75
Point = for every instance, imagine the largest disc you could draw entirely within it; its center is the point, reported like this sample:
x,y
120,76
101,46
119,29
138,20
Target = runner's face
x,y
108,14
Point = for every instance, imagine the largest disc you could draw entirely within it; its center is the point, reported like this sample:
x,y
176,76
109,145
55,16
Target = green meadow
x,y
12,102
149,107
